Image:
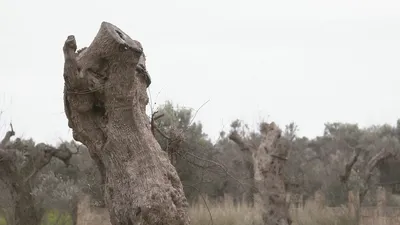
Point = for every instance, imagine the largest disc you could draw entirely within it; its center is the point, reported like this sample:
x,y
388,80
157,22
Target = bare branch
x,y
195,114
163,134
349,166
64,153
225,170
40,161
371,165
205,203
234,136
174,139
7,137
153,125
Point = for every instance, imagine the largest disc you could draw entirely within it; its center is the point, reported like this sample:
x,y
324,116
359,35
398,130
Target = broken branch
x,y
234,136
153,125
349,166
7,137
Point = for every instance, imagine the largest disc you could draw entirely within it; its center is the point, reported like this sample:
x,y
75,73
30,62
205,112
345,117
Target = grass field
x,y
226,213
52,218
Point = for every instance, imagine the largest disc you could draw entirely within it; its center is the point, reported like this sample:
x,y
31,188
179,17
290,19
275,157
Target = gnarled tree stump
x,y
105,102
269,161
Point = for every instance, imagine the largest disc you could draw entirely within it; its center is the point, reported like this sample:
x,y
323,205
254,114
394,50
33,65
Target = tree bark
x,y
74,210
105,101
26,210
269,161
252,190
18,181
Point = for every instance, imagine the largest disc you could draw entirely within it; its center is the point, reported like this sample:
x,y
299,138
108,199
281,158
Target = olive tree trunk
x,y
105,101
269,161
25,211
18,176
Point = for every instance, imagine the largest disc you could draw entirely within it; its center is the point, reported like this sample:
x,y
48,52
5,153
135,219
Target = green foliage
x,y
194,153
324,158
54,217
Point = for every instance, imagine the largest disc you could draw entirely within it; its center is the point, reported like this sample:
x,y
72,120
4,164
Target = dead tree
x,y
105,101
269,161
19,165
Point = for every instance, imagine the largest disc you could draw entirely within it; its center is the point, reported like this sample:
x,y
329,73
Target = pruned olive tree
x,y
269,159
105,103
373,147
20,164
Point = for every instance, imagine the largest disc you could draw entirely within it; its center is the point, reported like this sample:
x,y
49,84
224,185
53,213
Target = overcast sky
x,y
308,61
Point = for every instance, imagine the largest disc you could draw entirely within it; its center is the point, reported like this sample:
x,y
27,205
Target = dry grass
x,y
226,213
312,214
223,213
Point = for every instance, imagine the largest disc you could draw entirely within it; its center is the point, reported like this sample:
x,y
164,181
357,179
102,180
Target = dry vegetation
x,y
226,213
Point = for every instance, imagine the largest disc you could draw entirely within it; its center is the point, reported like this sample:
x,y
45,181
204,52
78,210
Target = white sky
x,y
308,61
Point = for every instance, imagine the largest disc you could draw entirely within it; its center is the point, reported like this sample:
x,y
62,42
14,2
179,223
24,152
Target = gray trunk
x,y
105,101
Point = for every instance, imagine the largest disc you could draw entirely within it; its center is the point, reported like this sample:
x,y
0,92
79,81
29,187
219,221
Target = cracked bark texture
x,y
105,100
269,161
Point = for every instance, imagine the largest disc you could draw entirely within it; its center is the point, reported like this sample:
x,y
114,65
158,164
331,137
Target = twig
x,y
205,203
151,100
218,165
153,120
194,116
